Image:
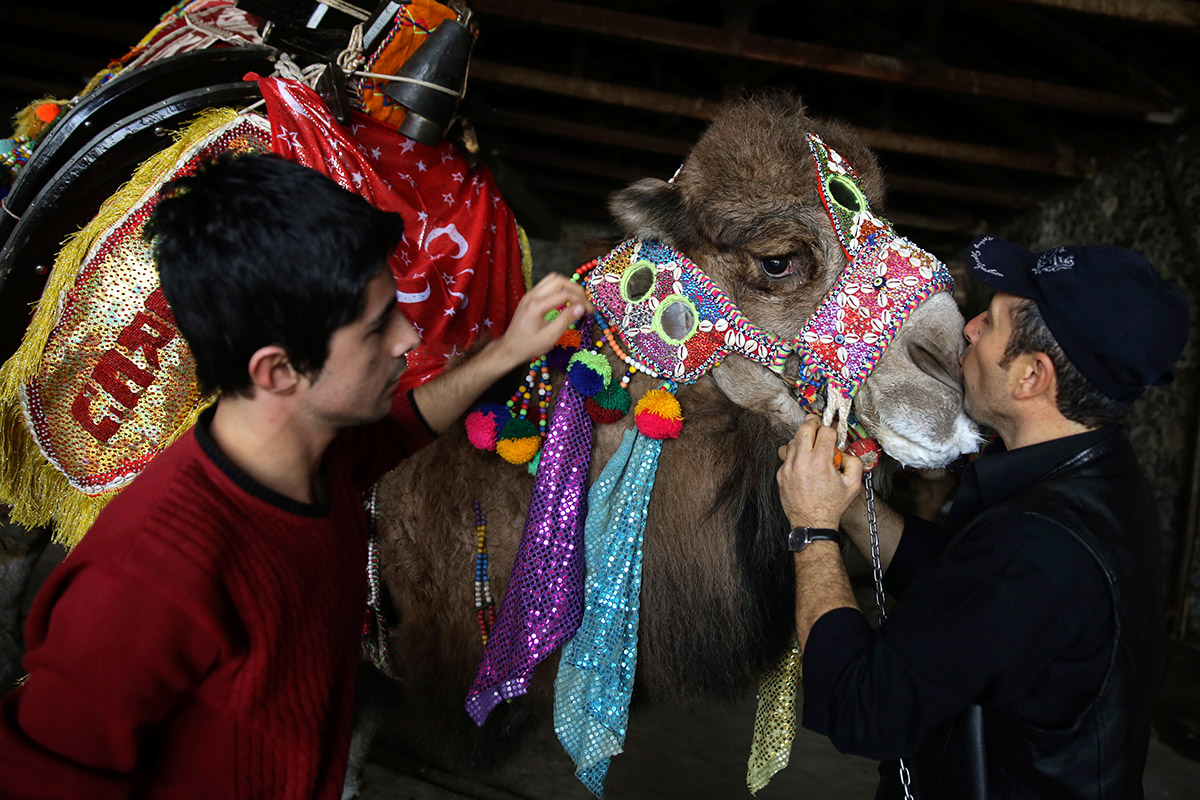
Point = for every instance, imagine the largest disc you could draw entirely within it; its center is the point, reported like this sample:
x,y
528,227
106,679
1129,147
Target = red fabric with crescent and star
x,y
458,270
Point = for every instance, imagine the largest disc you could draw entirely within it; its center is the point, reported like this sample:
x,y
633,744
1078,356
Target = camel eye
x,y
776,266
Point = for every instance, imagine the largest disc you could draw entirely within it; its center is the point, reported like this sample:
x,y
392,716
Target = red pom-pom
x,y
658,428
658,415
602,415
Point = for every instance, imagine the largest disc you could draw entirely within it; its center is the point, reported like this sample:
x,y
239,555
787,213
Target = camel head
x,y
746,208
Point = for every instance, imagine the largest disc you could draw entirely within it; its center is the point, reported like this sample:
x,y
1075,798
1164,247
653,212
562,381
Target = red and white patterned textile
x,y
458,271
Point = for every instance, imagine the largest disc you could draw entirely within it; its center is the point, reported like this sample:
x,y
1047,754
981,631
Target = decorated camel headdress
x,y
662,315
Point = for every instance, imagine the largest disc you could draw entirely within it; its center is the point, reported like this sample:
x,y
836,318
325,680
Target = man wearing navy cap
x,y
1023,657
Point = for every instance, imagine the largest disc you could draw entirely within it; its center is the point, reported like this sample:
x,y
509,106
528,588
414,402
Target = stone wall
x,y
1149,202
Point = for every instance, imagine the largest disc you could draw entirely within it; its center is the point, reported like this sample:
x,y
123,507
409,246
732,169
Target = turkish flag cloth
x,y
459,269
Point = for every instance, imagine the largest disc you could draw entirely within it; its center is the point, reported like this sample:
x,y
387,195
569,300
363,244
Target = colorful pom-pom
x,y
658,415
570,339
602,415
518,441
47,112
589,372
558,358
485,423
518,451
610,405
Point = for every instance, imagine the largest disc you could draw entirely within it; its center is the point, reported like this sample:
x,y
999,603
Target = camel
x,y
717,591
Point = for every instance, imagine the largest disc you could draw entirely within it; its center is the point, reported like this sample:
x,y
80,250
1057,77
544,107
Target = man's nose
x,y
971,329
406,337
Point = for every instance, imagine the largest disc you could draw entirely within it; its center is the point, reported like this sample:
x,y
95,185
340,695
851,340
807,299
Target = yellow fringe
x,y
26,122
526,257
36,490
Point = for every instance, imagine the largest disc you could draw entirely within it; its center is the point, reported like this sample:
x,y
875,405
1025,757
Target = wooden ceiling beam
x,y
595,91
46,18
1064,44
872,66
699,108
566,162
958,191
36,87
905,184
595,134
960,224
1184,13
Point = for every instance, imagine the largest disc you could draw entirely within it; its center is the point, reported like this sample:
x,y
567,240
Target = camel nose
x,y
937,361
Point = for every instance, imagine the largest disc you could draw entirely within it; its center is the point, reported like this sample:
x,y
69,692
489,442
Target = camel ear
x,y
652,209
850,146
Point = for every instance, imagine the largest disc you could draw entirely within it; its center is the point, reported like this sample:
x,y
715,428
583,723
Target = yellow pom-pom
x,y
518,451
660,403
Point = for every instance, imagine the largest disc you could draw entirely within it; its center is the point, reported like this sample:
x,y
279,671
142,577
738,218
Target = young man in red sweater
x,y
201,642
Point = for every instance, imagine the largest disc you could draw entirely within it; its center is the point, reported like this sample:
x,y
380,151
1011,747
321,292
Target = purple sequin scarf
x,y
543,604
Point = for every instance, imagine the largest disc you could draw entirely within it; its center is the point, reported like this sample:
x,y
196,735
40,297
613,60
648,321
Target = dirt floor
x,y
700,752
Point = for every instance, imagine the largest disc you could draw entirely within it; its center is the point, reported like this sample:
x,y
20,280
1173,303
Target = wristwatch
x,y
802,537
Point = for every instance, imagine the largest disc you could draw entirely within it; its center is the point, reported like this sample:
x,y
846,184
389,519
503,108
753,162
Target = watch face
x,y
796,539
800,538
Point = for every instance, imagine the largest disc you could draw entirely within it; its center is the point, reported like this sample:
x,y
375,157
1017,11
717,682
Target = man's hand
x,y
529,334
813,491
444,398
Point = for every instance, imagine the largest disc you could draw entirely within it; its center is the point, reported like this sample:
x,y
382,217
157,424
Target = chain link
x,y
877,572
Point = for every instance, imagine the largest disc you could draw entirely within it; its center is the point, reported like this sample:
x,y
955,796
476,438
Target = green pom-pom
x,y
614,397
594,361
551,315
518,428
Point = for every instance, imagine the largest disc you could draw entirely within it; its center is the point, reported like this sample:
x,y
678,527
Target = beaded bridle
x,y
664,316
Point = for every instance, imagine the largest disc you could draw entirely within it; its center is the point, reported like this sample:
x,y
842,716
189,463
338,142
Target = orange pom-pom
x,y
518,451
570,339
47,112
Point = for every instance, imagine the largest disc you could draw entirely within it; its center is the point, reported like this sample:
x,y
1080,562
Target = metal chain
x,y
877,571
876,560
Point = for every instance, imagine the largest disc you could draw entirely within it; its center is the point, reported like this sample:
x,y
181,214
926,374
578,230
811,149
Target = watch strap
x,y
801,537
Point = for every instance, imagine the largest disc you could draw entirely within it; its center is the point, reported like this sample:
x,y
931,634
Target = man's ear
x,y
272,371
1036,377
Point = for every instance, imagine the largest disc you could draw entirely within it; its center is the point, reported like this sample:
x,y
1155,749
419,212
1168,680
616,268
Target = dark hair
x,y
255,250
1078,400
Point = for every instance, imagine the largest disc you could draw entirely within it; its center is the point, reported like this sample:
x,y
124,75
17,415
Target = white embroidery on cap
x,y
1055,260
975,256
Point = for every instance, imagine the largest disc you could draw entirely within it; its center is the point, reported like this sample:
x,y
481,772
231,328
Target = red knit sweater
x,y
201,641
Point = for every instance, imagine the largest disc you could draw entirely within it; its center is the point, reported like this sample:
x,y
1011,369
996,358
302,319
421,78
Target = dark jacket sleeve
x,y
977,626
920,543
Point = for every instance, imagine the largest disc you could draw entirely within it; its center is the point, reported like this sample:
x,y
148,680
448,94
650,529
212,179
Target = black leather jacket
x,y
1101,499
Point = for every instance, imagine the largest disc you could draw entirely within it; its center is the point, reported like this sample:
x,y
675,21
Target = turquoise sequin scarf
x,y
595,675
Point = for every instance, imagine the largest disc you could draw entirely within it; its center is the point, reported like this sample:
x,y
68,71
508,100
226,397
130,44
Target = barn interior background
x,y
1045,121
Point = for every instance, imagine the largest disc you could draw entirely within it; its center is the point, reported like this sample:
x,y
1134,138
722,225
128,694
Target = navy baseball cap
x,y
1115,318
